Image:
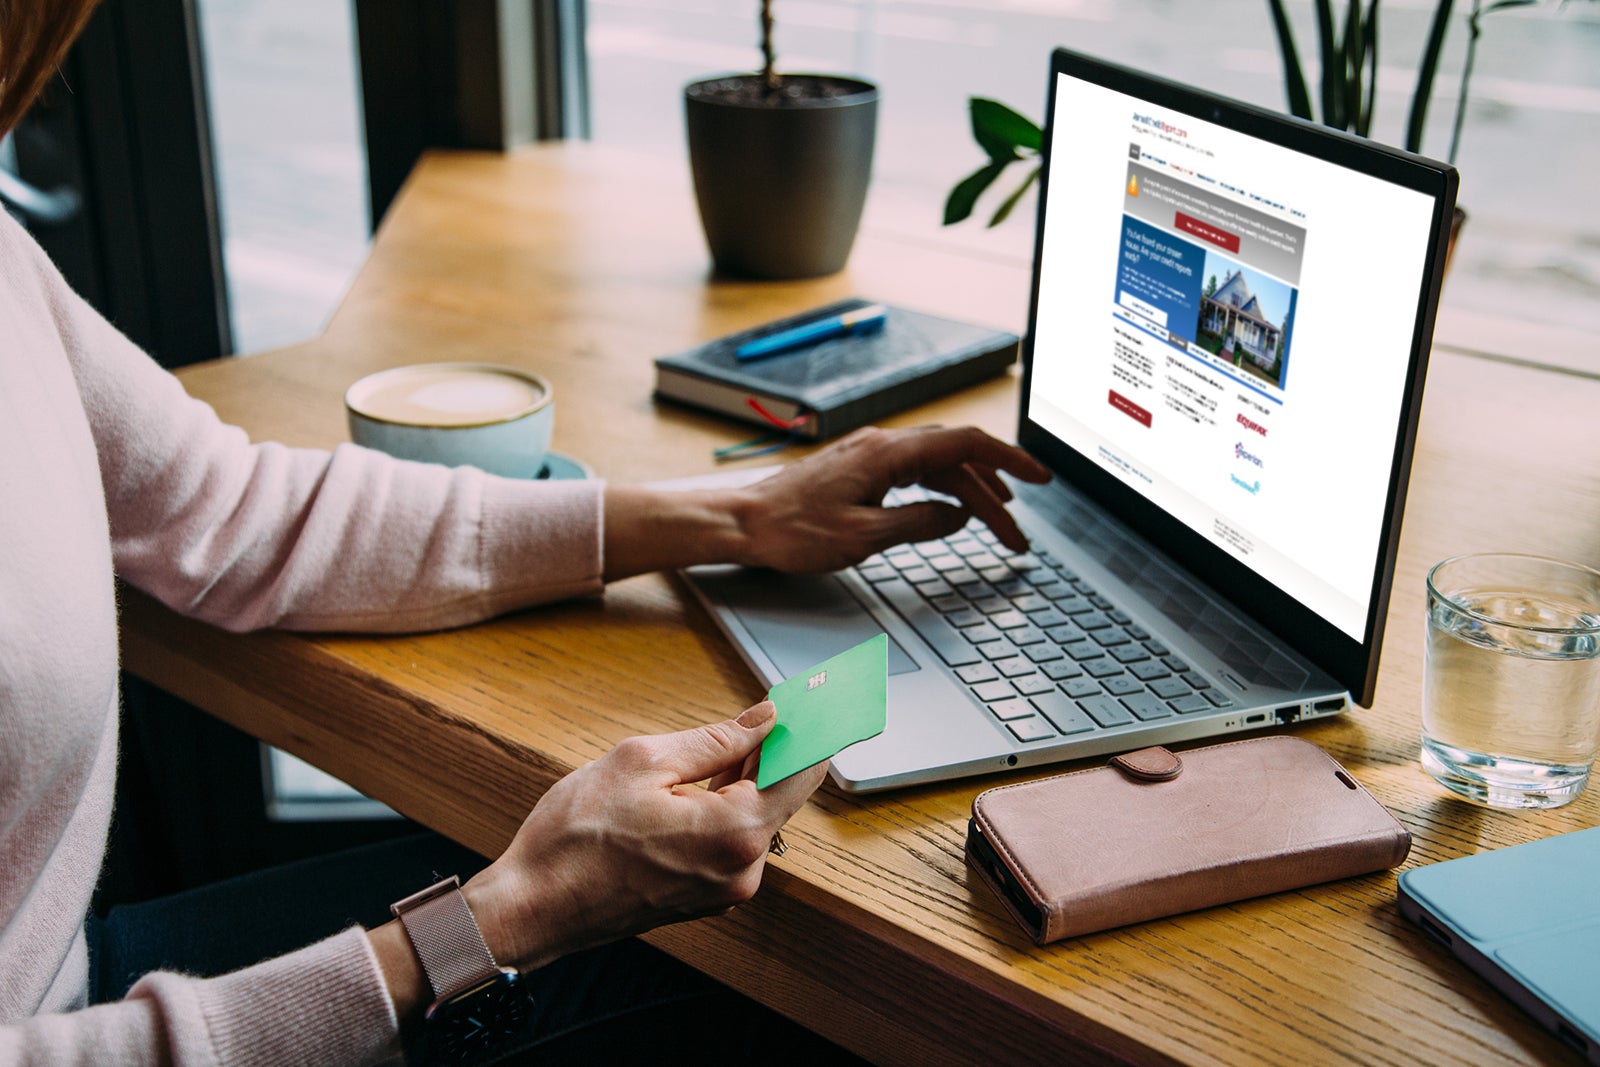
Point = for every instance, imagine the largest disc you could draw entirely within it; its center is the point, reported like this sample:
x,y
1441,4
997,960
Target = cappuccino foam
x,y
441,396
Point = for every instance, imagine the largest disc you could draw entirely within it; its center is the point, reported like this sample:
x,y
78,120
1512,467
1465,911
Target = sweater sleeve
x,y
255,535
325,1004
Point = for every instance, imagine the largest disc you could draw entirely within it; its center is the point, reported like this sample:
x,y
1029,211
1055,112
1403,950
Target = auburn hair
x,y
34,36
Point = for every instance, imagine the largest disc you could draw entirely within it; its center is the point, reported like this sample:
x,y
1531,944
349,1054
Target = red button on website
x,y
1208,232
1129,408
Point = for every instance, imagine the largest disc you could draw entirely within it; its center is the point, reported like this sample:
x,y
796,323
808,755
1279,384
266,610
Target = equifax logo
x,y
1251,424
1240,452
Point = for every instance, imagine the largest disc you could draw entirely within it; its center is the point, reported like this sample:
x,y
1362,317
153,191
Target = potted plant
x,y
781,164
1348,51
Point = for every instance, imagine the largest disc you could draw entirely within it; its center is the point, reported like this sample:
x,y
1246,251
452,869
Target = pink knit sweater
x,y
108,468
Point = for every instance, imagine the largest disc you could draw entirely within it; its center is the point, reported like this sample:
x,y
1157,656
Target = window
x,y
1531,247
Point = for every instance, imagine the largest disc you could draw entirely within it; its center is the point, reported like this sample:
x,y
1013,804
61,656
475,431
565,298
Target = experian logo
x,y
1250,487
1251,424
1240,452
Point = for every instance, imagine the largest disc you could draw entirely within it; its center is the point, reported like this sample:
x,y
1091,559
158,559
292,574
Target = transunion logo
x,y
1250,487
1241,452
1251,424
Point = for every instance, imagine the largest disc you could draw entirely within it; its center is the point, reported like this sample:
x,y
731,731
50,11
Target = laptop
x,y
1526,918
1229,326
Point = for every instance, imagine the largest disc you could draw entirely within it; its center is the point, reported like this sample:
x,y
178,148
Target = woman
x,y
108,468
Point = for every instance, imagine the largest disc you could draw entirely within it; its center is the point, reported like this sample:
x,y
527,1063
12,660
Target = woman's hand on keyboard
x,y
827,511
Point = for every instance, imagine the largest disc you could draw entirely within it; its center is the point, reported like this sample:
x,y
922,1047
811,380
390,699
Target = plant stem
x,y
1425,74
1474,32
769,67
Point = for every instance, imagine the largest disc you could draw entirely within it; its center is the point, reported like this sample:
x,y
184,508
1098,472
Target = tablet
x,y
1527,918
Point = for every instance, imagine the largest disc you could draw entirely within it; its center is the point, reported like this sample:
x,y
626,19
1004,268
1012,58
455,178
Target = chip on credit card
x,y
826,709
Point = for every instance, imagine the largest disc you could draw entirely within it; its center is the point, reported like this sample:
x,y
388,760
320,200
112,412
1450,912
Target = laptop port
x,y
1333,704
1259,716
1288,714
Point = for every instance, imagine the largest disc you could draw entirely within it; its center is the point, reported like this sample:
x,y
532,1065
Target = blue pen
x,y
861,320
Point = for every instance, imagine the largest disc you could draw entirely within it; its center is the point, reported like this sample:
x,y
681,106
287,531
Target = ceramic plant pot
x,y
781,176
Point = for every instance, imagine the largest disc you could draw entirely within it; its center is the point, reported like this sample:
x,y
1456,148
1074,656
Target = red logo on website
x,y
1251,424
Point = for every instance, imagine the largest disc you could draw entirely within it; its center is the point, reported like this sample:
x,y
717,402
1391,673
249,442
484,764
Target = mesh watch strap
x,y
446,937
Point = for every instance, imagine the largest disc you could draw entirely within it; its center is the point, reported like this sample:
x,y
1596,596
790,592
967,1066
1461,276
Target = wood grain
x,y
583,264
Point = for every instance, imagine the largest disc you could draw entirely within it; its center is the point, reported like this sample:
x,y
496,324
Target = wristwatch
x,y
478,1004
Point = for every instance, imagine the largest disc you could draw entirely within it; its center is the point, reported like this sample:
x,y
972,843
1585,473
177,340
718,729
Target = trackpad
x,y
799,621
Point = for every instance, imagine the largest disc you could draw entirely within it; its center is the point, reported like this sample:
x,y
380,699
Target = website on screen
x,y
1225,325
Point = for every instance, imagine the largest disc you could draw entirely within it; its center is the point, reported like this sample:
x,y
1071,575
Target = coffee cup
x,y
459,414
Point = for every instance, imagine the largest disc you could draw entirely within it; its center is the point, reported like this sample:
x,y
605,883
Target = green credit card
x,y
827,708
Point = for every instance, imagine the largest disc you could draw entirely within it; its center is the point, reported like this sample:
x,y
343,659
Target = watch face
x,y
477,1021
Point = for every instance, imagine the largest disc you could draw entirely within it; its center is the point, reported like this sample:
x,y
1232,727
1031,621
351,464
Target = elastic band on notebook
x,y
764,445
800,417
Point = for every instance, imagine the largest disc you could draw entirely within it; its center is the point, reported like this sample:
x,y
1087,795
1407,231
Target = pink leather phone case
x,y
1153,834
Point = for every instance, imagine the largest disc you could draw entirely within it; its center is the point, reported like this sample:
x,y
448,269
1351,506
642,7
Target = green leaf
x,y
1000,131
1294,78
1004,211
958,205
1426,69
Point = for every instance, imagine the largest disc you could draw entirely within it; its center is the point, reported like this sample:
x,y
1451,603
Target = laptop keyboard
x,y
1037,645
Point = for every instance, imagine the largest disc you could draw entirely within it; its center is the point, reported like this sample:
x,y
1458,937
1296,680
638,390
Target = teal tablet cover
x,y
1527,918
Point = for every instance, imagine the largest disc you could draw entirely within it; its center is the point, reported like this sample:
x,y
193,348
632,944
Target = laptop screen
x,y
1231,312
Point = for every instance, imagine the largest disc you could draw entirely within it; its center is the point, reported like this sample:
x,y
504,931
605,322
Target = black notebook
x,y
828,388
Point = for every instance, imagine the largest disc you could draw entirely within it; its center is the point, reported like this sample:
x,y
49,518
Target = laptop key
x,y
1073,604
919,573
999,689
1119,617
1043,652
876,572
1034,729
997,650
1014,667
1148,671
1139,633
974,673
1147,706
1104,667
1033,684
964,618
1078,688
1005,710
1047,618
1026,636
1175,665
980,633
1064,634
1108,637
1084,651
1156,648
1167,688
1190,704
1135,654
945,639
1029,602
1100,602
1121,685
947,603
991,604
1059,669
1219,698
1008,620
1092,620
1063,713
962,577
1196,680
1105,711
1010,586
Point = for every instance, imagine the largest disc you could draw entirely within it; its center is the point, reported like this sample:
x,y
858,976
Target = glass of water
x,y
1511,687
